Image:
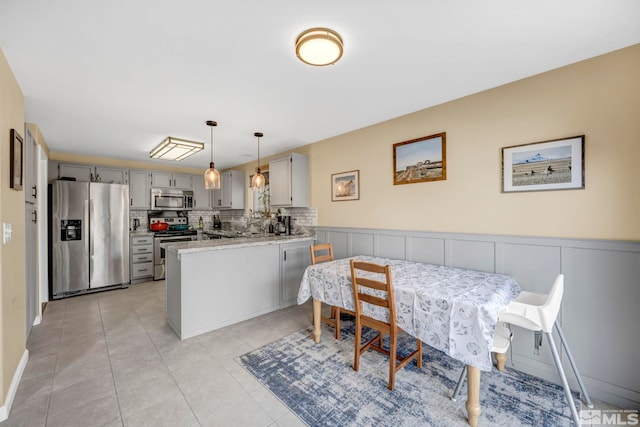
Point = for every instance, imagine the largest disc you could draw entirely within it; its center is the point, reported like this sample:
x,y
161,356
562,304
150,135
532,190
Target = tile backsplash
x,y
301,217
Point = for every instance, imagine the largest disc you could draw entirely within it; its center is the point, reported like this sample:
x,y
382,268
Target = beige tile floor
x,y
109,359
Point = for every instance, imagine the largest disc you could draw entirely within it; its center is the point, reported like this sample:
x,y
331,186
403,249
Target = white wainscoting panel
x,y
600,312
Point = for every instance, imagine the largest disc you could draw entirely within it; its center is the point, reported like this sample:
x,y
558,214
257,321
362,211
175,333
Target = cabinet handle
x,y
130,202
35,217
285,255
35,192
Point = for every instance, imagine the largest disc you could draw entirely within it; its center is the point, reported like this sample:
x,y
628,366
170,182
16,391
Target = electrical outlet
x,y
6,232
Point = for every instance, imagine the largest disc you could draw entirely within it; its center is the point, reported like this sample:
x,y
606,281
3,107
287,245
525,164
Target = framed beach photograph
x,y
345,186
15,159
547,165
420,160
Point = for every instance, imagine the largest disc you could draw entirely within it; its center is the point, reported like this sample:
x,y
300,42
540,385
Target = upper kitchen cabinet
x,y
172,180
139,189
289,181
112,175
203,198
231,193
75,171
90,173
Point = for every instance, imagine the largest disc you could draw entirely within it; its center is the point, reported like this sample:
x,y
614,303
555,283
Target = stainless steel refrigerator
x,y
89,241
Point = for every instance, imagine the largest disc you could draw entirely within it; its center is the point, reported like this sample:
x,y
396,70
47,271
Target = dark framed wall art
x,y
420,160
547,165
345,186
15,158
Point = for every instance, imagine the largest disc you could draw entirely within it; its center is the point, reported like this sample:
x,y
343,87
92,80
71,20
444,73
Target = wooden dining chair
x,y
324,253
366,290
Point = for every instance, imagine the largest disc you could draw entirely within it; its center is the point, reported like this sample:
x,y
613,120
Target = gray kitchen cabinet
x,y
78,172
231,194
91,173
141,258
111,175
30,168
289,181
139,189
294,259
203,198
171,180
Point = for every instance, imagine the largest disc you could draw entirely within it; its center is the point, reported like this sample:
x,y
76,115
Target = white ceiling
x,y
114,78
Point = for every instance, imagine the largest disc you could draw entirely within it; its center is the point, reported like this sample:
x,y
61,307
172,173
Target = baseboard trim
x,y
5,409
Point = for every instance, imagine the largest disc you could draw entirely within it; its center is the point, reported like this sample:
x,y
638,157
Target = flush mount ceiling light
x,y
319,46
257,182
175,149
211,175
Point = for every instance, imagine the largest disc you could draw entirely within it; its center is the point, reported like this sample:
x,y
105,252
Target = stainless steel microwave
x,y
166,199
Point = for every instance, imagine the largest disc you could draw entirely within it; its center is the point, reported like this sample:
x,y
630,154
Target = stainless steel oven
x,y
158,252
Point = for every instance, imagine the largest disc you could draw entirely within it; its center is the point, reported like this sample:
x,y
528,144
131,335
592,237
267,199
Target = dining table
x,y
454,310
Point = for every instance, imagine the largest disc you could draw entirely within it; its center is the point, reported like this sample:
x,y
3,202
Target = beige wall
x,y
12,255
599,98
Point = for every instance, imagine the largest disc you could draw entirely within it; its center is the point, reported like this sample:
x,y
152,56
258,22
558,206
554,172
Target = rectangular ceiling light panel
x,y
175,149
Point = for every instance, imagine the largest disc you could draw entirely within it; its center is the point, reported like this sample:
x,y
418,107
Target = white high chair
x,y
538,312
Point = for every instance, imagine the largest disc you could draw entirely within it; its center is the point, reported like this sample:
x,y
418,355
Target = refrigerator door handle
x,y
85,228
91,211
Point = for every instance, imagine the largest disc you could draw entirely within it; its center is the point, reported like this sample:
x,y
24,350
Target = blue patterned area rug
x,y
318,383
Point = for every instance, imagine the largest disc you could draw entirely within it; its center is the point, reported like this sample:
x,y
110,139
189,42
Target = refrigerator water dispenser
x,y
71,229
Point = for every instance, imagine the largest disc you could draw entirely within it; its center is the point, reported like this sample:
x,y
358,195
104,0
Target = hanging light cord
x,y
211,144
258,154
211,124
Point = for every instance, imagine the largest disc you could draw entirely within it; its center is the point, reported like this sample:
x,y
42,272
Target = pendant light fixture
x,y
257,182
211,175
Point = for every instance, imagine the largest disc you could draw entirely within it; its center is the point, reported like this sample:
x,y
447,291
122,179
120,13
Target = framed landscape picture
x,y
546,165
345,186
420,160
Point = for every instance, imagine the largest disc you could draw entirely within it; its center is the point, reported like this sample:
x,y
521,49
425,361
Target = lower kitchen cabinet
x,y
141,254
294,259
249,280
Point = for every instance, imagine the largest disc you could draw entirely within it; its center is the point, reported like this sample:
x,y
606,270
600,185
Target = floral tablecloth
x,y
452,309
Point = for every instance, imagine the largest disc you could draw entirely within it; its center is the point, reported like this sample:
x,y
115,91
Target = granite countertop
x,y
238,242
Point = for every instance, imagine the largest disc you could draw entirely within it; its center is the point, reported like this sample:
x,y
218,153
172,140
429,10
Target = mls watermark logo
x,y
609,417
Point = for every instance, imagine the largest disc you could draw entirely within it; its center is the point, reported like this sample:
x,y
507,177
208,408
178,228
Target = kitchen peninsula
x,y
215,283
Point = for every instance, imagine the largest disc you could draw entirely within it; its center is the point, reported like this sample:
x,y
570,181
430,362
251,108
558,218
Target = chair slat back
x,y
325,250
361,284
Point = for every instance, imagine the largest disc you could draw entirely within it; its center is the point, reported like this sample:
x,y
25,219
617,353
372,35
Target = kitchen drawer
x,y
142,270
142,240
140,258
146,249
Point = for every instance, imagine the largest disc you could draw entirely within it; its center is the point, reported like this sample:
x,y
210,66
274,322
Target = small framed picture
x,y
15,158
420,160
345,186
547,165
